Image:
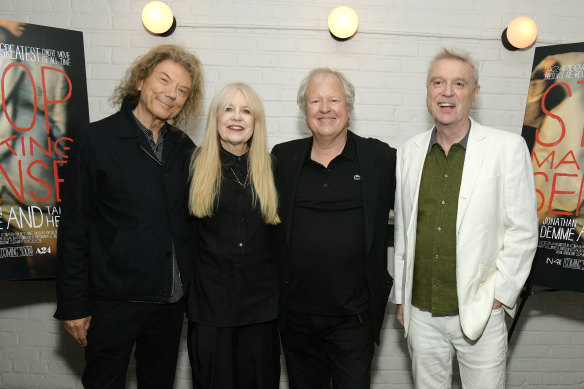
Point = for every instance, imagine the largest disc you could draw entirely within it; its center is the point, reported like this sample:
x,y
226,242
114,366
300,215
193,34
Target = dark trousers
x,y
116,326
321,350
245,357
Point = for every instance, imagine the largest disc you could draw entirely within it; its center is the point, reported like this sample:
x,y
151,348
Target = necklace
x,y
237,178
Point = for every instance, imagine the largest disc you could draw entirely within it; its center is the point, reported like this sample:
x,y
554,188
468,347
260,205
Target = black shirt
x,y
236,273
328,259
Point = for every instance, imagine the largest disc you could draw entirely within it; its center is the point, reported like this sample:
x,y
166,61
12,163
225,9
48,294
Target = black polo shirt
x,y
327,266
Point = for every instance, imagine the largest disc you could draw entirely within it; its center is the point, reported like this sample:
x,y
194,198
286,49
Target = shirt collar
x,y
463,142
149,135
348,152
229,160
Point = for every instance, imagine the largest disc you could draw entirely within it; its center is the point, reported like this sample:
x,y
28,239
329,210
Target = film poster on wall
x,y
554,130
44,101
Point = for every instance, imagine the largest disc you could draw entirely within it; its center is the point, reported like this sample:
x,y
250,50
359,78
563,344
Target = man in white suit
x,y
466,233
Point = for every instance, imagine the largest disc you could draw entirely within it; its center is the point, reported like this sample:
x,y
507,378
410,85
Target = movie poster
x,y
44,100
554,130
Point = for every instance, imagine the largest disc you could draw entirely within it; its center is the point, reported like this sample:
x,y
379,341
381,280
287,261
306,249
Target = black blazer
x,y
122,211
377,168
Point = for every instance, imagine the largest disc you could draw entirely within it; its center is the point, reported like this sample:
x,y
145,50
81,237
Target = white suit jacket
x,y
496,223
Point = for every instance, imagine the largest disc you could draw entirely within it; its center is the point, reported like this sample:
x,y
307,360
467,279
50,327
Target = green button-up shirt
x,y
434,283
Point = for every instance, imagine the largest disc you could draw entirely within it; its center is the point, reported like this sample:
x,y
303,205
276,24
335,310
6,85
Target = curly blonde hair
x,y
143,66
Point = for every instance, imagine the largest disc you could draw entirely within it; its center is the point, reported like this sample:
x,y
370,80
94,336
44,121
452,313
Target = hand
x,y
497,304
15,28
400,314
78,329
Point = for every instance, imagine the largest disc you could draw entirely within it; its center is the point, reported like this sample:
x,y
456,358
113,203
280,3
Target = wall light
x,y
343,22
521,32
157,17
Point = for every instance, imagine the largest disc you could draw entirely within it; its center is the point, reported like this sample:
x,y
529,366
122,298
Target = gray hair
x,y
461,55
347,86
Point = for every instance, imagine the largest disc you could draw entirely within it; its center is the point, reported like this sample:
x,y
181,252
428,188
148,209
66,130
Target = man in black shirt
x,y
336,190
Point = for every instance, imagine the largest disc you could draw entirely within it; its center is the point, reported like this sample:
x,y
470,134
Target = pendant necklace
x,y
237,178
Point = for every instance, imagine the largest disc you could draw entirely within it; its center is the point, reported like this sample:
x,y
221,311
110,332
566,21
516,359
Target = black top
x,y
236,273
327,249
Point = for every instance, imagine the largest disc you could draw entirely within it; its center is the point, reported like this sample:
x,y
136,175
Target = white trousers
x,y
434,341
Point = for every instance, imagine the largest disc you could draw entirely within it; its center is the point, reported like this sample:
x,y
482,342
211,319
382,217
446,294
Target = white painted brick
x,y
108,39
248,59
59,21
5,365
22,5
8,339
60,5
107,72
29,341
553,339
399,49
316,46
234,42
92,21
41,6
133,22
533,378
565,352
522,364
21,366
357,46
99,56
19,354
300,61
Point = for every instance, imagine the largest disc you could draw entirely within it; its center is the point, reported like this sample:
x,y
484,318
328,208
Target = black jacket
x,y
120,213
377,166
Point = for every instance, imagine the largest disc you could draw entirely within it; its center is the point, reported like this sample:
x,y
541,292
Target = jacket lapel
x,y
293,168
476,152
413,175
370,185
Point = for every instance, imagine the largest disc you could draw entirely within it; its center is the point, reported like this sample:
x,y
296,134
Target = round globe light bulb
x,y
522,32
157,17
343,22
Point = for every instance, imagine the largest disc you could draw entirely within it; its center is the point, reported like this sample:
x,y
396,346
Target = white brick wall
x,y
272,44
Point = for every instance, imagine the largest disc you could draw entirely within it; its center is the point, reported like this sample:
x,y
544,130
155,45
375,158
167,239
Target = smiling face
x,y
327,113
162,94
451,92
235,125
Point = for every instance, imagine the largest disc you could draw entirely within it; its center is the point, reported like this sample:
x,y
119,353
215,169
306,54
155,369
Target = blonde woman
x,y
233,302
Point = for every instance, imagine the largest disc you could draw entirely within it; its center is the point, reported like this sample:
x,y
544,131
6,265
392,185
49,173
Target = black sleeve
x,y
77,214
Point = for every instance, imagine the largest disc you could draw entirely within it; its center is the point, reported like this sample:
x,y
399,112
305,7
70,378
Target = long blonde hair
x,y
206,163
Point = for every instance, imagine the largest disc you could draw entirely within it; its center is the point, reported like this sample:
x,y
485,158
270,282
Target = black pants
x,y
116,326
245,357
324,349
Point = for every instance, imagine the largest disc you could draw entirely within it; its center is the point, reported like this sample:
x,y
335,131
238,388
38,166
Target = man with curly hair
x,y
124,247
